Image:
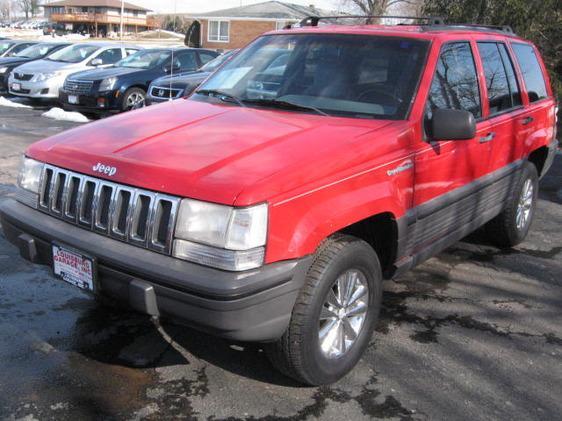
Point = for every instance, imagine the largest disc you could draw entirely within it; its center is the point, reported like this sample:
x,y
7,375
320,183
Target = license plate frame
x,y
74,267
73,99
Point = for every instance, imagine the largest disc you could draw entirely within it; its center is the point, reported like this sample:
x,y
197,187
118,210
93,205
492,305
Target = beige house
x,y
97,17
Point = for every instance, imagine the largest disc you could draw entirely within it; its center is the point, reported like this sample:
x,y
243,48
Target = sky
x,y
198,6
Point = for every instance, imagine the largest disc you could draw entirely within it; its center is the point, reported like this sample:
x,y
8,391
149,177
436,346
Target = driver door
x,y
447,170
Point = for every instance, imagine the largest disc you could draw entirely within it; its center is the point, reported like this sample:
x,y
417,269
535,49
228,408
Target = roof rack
x,y
428,22
474,26
314,20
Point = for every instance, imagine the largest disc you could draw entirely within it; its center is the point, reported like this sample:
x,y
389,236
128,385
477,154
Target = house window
x,y
219,31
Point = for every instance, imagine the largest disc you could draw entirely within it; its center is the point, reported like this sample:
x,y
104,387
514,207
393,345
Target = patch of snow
x,y
61,115
5,102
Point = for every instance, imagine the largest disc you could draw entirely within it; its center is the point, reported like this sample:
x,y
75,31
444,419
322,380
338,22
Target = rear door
x,y
535,126
504,109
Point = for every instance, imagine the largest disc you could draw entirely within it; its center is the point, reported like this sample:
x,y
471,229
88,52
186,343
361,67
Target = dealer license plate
x,y
72,99
16,86
73,267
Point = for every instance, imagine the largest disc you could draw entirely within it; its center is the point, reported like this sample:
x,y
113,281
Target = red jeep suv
x,y
271,204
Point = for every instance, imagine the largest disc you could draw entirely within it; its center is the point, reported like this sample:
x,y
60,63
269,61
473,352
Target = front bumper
x,y
248,306
88,103
47,89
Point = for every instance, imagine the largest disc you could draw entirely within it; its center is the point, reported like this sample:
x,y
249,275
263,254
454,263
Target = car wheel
x,y
133,98
335,313
511,226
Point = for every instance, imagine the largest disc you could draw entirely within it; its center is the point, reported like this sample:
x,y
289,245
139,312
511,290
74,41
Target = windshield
x,y
145,59
35,51
74,54
215,63
4,46
347,75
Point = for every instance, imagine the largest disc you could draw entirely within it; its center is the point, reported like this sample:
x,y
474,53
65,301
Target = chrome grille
x,y
77,87
22,76
140,217
159,92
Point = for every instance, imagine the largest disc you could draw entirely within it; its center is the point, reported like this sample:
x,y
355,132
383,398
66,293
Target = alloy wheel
x,y
343,313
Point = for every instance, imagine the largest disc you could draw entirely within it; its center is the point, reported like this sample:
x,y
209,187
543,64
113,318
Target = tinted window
x,y
455,85
145,59
18,48
206,57
186,61
532,72
499,95
330,72
110,56
512,80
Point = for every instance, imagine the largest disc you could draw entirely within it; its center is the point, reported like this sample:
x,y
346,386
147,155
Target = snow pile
x,y
67,37
160,33
61,115
4,102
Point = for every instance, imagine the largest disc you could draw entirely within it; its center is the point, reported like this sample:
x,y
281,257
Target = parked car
x,y
9,48
42,79
276,219
123,86
170,87
35,52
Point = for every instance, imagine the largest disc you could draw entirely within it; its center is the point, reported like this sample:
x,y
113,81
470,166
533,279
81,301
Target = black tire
x,y
125,106
298,354
503,230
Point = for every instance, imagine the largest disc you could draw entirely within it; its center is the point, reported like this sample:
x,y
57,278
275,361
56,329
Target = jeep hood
x,y
214,152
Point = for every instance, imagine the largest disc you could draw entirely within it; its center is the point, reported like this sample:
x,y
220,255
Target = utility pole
x,y
122,12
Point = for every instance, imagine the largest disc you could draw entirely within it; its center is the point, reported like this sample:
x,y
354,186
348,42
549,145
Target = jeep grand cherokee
x,y
269,206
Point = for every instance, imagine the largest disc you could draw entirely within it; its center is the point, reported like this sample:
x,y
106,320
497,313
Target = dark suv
x,y
271,204
123,86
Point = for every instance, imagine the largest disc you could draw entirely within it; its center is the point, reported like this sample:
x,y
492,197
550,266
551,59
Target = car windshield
x,y
345,75
4,46
74,53
215,63
145,59
35,51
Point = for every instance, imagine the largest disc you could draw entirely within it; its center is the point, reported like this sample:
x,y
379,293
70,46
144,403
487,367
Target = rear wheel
x,y
133,98
511,226
335,314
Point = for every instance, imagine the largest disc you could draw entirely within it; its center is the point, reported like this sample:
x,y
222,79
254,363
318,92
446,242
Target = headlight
x,y
107,84
40,77
30,175
221,236
29,180
3,69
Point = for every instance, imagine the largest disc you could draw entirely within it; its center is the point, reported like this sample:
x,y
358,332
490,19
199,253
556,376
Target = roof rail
x,y
314,20
476,26
430,22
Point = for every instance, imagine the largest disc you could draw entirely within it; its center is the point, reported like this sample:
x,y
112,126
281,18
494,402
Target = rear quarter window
x,y
531,71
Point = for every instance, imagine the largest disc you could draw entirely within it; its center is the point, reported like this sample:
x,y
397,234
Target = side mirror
x,y
449,124
96,62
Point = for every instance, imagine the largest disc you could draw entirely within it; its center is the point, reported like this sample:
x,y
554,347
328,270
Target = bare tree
x,y
382,7
6,9
29,7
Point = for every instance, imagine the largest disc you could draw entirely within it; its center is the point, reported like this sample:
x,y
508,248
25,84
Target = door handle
x,y
527,120
489,137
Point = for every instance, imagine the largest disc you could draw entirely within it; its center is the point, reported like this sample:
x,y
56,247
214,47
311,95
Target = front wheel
x,y
335,314
133,99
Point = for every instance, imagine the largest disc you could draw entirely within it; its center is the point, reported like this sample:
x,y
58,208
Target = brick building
x,y
234,28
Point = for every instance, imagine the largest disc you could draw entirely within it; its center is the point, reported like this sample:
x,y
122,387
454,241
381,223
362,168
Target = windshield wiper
x,y
223,96
284,104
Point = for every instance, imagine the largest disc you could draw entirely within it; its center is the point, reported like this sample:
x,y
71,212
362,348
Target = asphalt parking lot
x,y
475,333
